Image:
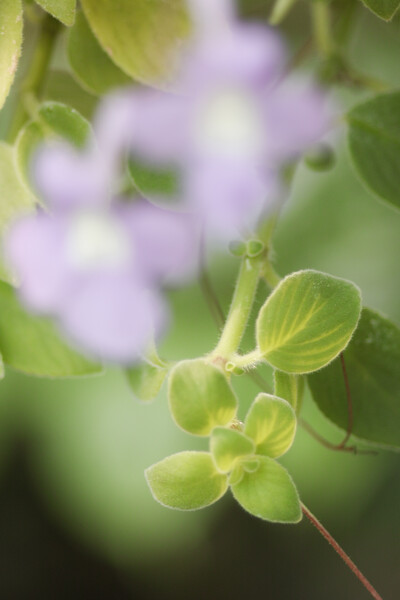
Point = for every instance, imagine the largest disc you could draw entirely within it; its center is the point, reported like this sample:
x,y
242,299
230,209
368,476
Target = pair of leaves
x,y
193,480
385,9
307,321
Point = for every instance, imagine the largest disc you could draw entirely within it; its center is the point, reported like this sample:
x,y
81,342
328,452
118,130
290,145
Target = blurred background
x,y
76,517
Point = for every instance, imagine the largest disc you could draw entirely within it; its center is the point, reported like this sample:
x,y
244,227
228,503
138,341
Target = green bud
x,y
254,248
320,157
237,248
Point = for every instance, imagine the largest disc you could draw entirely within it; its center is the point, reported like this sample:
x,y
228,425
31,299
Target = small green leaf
x,y
271,424
269,493
15,200
144,38
372,362
186,481
32,345
146,380
200,397
374,141
251,465
226,445
54,121
63,10
160,185
236,475
290,388
385,9
307,321
89,63
10,43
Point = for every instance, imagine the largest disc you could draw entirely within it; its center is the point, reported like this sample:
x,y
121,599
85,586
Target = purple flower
x,y
233,123
97,266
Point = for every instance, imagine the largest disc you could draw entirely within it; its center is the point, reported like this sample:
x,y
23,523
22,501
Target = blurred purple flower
x,y
97,266
234,122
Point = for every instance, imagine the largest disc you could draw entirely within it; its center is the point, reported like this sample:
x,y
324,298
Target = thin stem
x,y
240,309
346,559
327,444
321,21
280,10
247,360
32,86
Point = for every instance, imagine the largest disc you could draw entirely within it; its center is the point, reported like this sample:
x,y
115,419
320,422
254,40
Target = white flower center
x,y
228,124
97,241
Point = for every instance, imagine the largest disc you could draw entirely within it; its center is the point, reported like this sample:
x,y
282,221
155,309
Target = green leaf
x,y
89,63
54,121
14,198
161,186
372,363
186,481
146,380
200,397
374,141
10,43
226,445
307,321
290,388
385,9
271,424
63,10
269,493
144,38
32,345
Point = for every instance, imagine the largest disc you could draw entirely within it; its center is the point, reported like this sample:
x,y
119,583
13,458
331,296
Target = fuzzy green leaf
x,y
372,363
15,200
200,397
307,321
146,380
10,43
374,141
89,63
63,10
271,424
385,9
32,345
226,445
269,493
54,121
144,38
290,388
186,481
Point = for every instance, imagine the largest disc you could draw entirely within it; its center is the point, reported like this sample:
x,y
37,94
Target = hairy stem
x,y
346,559
32,86
240,309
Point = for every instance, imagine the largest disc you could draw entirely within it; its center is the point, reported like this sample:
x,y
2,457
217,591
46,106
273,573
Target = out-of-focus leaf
x,y
54,120
10,43
146,380
186,481
307,320
143,38
385,9
374,141
14,197
372,363
63,10
89,62
32,345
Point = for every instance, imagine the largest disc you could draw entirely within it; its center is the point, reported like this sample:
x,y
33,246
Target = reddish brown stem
x,y
346,559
